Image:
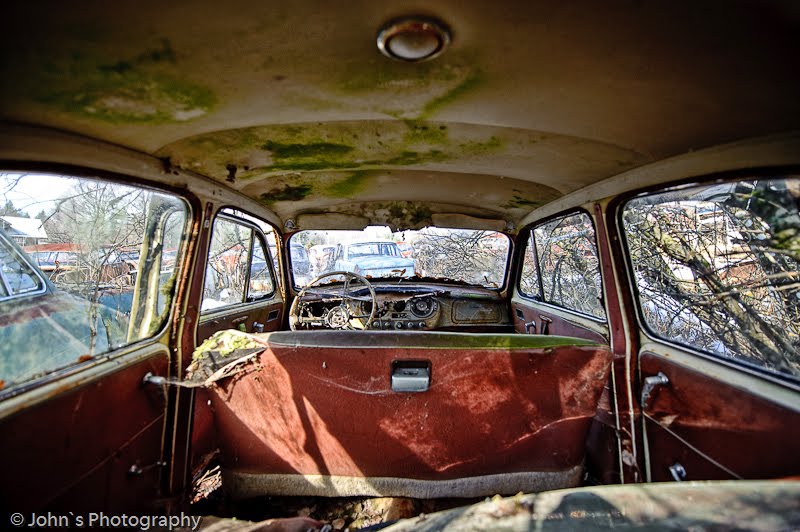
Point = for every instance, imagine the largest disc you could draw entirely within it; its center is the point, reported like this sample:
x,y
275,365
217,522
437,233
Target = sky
x,y
34,192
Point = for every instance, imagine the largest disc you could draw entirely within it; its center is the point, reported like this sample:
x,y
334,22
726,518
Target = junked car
x,y
53,258
372,258
321,257
47,329
602,297
406,249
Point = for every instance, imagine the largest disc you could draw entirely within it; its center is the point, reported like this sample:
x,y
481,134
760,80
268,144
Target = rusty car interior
x,y
544,255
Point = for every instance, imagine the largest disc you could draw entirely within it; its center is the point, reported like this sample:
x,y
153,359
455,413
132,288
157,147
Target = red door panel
x,y
323,404
76,451
716,430
204,437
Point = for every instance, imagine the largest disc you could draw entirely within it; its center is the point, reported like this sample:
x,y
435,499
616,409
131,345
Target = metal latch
x,y
155,387
678,472
650,384
136,470
155,380
545,323
411,375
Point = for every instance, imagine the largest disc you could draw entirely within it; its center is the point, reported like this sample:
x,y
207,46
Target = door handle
x,y
545,323
156,388
410,376
530,325
650,384
678,472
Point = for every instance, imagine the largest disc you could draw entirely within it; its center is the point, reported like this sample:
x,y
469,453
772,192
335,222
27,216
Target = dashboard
x,y
419,307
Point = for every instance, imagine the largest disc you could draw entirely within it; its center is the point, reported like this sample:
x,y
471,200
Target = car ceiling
x,y
292,104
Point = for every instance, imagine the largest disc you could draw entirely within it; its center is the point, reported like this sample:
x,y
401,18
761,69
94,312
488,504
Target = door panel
x,y
240,290
714,273
532,318
240,275
322,404
74,452
269,314
559,290
716,430
84,307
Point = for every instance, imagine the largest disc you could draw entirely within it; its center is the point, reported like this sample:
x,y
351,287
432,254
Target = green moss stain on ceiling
x,y
397,214
92,83
517,201
423,132
411,90
317,167
285,192
311,150
401,198
259,152
467,85
351,185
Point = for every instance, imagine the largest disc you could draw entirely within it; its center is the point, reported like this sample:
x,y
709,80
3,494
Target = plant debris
x,y
220,350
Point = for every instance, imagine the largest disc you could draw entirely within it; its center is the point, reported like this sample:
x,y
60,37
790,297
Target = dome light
x,y
413,39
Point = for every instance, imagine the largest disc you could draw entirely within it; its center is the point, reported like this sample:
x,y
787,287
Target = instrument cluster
x,y
419,312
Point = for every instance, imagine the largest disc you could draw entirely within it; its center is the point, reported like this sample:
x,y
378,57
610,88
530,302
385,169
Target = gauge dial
x,y
423,307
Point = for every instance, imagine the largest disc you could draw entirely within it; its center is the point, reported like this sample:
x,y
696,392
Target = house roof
x,y
27,227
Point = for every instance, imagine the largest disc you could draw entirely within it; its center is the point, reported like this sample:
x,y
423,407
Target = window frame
x,y
23,258
276,267
129,353
529,237
341,254
628,275
257,234
262,238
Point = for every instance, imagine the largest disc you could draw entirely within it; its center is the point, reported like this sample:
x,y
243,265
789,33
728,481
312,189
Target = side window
x,y
237,270
717,268
561,266
272,249
86,267
261,284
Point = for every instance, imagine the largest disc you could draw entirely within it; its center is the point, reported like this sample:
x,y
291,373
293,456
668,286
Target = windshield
x,y
456,255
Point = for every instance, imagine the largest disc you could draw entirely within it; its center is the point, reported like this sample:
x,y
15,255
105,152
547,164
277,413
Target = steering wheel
x,y
340,317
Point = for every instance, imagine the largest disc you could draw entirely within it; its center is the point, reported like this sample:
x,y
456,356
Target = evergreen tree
x,y
10,210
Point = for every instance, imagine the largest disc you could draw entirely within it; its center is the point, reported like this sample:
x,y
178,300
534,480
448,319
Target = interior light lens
x,y
413,39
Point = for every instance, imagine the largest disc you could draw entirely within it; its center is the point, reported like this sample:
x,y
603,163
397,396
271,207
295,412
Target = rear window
x,y
717,268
